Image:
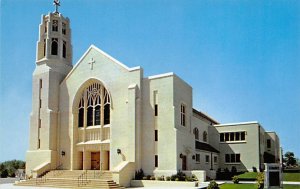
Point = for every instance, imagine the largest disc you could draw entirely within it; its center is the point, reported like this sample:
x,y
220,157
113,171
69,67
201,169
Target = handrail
x,y
42,178
58,170
82,179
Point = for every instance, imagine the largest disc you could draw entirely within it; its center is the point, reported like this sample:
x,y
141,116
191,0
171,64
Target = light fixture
x,y
119,151
63,153
181,155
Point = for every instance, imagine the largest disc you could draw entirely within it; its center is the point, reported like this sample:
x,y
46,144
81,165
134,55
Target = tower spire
x,y
56,3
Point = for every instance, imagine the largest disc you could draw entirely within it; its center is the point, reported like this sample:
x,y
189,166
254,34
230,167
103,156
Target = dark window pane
x,y
222,137
106,114
268,143
232,158
242,135
156,160
54,47
156,109
80,117
237,136
227,158
226,136
97,115
238,158
156,135
64,50
231,136
89,116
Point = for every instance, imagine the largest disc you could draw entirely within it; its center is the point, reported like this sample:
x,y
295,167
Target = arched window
x,y
196,133
204,136
64,49
96,100
54,46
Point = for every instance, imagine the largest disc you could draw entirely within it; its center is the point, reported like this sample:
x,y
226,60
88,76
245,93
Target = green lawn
x,y
248,176
238,186
291,177
252,186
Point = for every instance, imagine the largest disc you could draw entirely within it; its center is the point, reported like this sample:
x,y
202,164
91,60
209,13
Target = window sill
x,y
232,163
234,142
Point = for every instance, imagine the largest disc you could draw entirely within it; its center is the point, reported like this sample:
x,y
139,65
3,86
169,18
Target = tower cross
x,y
56,3
92,63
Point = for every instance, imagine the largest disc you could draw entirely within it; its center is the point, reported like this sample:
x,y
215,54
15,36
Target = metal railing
x,y
41,179
82,179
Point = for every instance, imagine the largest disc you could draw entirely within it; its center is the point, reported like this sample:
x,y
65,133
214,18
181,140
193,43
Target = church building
x,y
102,115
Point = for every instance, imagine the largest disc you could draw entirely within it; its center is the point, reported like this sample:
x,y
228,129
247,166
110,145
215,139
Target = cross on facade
x,y
56,3
92,63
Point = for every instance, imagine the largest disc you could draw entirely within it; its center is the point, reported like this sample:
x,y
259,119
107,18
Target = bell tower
x,y
53,63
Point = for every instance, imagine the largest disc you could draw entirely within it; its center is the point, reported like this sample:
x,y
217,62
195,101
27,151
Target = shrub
x,y
145,178
254,169
233,170
188,179
152,178
168,178
4,173
194,177
139,174
162,178
148,177
176,179
235,179
173,177
226,170
213,185
260,180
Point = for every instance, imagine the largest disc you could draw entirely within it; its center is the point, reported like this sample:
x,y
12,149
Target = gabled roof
x,y
106,55
205,147
204,116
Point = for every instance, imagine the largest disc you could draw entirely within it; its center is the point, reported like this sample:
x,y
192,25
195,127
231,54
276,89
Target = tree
x,y
289,159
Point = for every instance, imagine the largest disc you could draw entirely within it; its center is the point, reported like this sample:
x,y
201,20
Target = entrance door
x,y
183,163
95,160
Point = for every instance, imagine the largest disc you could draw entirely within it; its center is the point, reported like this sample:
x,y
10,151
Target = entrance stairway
x,y
74,179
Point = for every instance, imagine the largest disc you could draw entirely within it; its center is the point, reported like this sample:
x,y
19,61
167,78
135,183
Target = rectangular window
x,y
221,137
156,135
46,26
232,158
156,160
231,136
40,102
40,123
237,136
226,136
216,159
207,158
54,25
198,158
227,158
39,143
268,143
155,109
182,113
243,135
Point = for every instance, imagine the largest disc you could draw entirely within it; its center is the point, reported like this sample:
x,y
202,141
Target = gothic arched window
x,y
64,49
96,101
204,136
196,133
54,46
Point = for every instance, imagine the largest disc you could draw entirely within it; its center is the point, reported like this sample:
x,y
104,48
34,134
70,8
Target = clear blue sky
x,y
242,58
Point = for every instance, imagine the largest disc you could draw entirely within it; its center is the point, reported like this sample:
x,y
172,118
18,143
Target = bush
x,y
254,169
145,178
260,180
152,178
233,170
213,185
168,178
139,174
162,178
194,177
4,173
235,179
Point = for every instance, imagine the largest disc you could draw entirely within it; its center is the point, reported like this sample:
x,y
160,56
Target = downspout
x,y
211,161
